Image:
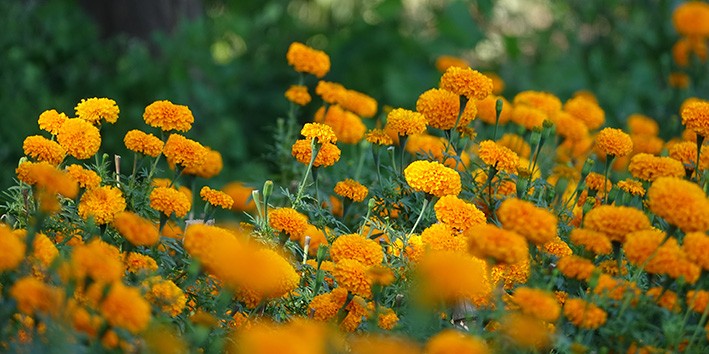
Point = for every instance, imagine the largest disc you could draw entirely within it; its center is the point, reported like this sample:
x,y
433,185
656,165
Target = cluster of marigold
x,y
691,21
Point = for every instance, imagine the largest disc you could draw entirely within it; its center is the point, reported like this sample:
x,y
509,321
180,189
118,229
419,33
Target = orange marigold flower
x,y
441,108
664,297
102,203
526,331
298,94
242,196
686,153
614,142
354,246
351,189
453,341
330,92
458,213
187,153
387,319
98,260
137,230
695,116
696,246
444,62
616,221
511,274
570,127
170,200
305,59
125,307
378,137
351,274
595,182
211,166
487,110
638,246
43,149
557,247
405,122
575,267
679,80
466,82
165,295
682,49
216,197
348,127
289,221
537,225
12,249
587,111
691,19
327,154
515,143
136,263
80,138
34,296
632,186
641,124
497,156
452,276
584,314
679,202
528,116
146,144
613,288
84,177
322,132
325,306
649,168
168,116
488,241
94,109
47,178
698,300
441,237
538,303
358,103
593,241
432,178
51,121
543,101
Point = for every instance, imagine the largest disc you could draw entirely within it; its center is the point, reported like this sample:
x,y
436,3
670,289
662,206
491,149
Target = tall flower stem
x,y
418,220
609,163
301,187
699,173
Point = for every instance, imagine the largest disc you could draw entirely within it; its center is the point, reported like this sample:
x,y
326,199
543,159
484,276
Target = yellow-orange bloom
x,y
241,194
322,132
526,331
405,122
305,59
378,137
432,178
357,247
614,142
170,200
43,149
185,152
528,116
140,142
34,296
51,121
570,127
94,109
457,213
12,249
216,197
450,341
696,246
352,275
584,314
691,19
348,127
327,154
168,116
488,241
538,303
98,260
125,307
575,267
79,138
351,189
515,143
441,109
84,177
593,241
166,295
649,168
642,125
695,116
289,221
487,110
444,62
102,203
679,202
497,156
616,221
452,276
586,111
632,186
137,230
298,94
537,225
466,82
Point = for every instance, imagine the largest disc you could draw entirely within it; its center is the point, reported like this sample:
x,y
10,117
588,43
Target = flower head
x,y
500,157
212,165
432,178
441,108
528,116
593,241
43,149
405,122
632,187
322,132
137,230
125,307
146,144
184,152
444,62
351,274
616,221
12,249
378,137
166,295
298,94
305,59
169,200
351,189
695,116
79,138
543,101
102,203
614,142
458,213
327,154
691,19
537,225
681,203
358,103
696,246
487,110
649,168
354,246
466,82
570,127
241,194
490,242
515,143
34,296
584,314
51,121
216,198
453,341
538,303
575,267
98,260
136,263
586,111
94,109
452,276
168,116
642,125
84,177
526,331
289,221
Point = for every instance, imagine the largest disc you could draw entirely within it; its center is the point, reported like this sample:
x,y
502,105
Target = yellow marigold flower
x,y
444,62
452,341
168,116
664,297
414,249
387,319
298,94
79,138
12,249
354,246
441,237
165,295
451,277
140,142
378,137
595,182
584,314
686,153
48,178
679,202
317,238
241,194
515,143
381,275
616,221
435,146
166,182
526,331
94,109
537,303
125,307
557,247
51,121
570,127
185,152
432,178
211,166
649,168
44,250
369,343
682,49
466,82
327,154
543,101
488,241
587,111
34,296
406,122
647,248
97,260
679,80
326,306
348,127
613,288
352,275
289,221
537,225
497,156
216,198
457,213
137,230
84,177
593,241
136,263
169,200
528,116
632,186
43,149
305,59
330,92
511,274
351,189
695,116
487,110
641,124
691,19
322,132
575,267
614,142
101,203
698,300
696,246
441,109
358,103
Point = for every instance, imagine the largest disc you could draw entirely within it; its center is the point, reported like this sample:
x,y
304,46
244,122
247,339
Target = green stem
x,y
423,210
301,187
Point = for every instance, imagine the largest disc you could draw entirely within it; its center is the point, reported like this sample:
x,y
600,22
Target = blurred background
x,y
225,59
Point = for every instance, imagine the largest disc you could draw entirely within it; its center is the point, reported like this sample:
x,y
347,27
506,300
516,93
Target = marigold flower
x,y
84,177
593,241
387,319
168,116
146,144
515,143
322,132
695,116
43,149
170,200
51,121
444,62
526,331
691,19
101,203
679,202
94,109
298,94
586,111
453,341
354,246
330,92
358,103
216,197
698,300
406,122
613,288
649,168
614,142
528,117
435,146
48,178
616,221
457,213
432,178
241,194
79,138
98,260
305,59
327,154
538,303
351,274
584,314
632,187
487,110
137,230
165,295
136,263
378,137
570,127
686,153
289,221
497,156
682,49
351,189
535,224
125,307
441,237
441,109
575,267
696,246
511,274
642,125
664,297
326,306
12,249
488,241
679,80
466,82
557,247
185,152
451,277
34,296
